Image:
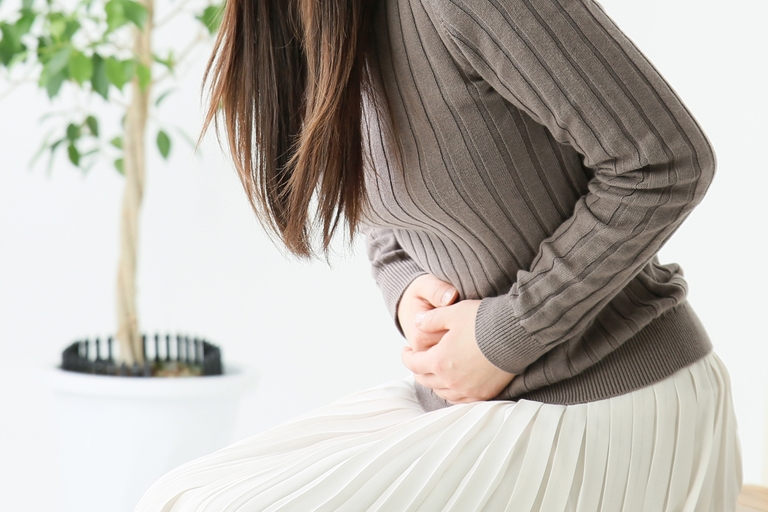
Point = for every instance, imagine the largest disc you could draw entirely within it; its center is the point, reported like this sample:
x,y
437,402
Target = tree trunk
x,y
134,160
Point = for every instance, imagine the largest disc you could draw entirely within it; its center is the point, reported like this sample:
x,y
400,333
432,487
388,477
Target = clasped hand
x,y
443,352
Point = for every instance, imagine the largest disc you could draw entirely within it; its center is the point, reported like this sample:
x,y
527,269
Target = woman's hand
x,y
425,293
454,367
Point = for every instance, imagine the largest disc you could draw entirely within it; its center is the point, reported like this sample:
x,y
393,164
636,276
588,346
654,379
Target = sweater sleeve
x,y
566,64
392,268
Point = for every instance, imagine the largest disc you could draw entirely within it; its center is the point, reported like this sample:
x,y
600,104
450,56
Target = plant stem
x,y
128,333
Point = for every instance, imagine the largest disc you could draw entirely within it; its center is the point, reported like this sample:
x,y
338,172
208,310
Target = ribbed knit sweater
x,y
546,161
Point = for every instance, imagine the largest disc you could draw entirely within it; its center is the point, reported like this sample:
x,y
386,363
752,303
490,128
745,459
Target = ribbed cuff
x,y
501,338
393,280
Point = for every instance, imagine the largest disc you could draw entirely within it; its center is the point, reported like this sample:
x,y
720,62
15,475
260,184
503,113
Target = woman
x,y
515,166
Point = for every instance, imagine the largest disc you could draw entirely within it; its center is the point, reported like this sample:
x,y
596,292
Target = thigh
x,y
671,446
305,446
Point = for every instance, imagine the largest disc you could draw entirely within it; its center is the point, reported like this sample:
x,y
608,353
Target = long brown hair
x,y
287,77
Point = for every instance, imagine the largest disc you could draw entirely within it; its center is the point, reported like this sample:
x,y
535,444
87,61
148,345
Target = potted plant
x,y
119,433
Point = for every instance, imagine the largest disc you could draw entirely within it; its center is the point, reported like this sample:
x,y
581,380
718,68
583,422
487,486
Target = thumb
x,y
438,292
447,295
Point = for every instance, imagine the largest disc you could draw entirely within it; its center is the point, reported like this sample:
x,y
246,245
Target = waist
x,y
671,341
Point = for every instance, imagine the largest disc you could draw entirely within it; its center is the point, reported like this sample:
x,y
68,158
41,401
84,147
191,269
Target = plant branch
x,y
134,155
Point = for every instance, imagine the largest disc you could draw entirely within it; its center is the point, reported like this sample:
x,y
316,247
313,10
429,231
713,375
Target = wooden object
x,y
753,498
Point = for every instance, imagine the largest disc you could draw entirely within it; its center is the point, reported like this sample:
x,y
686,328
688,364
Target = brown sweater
x,y
546,163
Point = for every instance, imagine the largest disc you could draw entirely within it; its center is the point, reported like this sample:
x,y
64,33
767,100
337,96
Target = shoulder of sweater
x,y
454,14
452,17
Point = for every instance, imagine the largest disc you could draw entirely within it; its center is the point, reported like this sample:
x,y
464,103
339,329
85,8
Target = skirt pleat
x,y
683,456
619,453
669,447
568,461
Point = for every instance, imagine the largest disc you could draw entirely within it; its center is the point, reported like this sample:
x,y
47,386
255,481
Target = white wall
x,y
315,334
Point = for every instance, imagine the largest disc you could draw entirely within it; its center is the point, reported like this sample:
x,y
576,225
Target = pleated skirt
x,y
672,446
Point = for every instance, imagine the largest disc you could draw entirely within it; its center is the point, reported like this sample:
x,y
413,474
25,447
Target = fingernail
x,y
447,297
419,318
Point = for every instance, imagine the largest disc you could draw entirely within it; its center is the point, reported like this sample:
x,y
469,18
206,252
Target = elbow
x,y
695,166
705,168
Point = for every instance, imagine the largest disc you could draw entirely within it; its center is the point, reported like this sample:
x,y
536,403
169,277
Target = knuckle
x,y
421,281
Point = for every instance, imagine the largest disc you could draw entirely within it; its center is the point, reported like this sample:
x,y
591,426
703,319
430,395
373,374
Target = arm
x,y
566,64
392,269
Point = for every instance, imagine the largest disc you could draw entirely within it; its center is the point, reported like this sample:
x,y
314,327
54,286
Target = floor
x,y
753,498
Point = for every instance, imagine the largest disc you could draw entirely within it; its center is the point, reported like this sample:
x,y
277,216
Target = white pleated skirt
x,y
672,446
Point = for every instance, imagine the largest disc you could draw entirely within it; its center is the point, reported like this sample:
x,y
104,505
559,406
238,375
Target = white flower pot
x,y
117,435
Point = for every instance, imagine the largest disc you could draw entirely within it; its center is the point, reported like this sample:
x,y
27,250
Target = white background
x,y
314,333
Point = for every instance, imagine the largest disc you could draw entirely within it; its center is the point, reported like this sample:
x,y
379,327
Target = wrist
x,y
399,302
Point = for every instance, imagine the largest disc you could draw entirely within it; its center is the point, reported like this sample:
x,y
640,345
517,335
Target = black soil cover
x,y
168,356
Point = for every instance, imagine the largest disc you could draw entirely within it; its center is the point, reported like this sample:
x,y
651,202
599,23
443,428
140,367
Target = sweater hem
x,y
670,342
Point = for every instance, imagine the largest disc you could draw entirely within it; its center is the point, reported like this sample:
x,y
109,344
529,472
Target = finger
x,y
449,394
434,291
434,320
418,362
442,293
424,340
429,380
465,400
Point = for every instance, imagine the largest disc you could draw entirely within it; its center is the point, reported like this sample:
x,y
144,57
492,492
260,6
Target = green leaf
x,y
80,67
53,84
117,142
99,80
115,15
10,44
19,57
163,144
57,25
42,47
55,70
145,76
129,68
58,62
93,125
57,144
73,132
119,166
45,145
74,154
135,13
24,23
168,62
70,27
211,17
162,97
52,148
119,72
